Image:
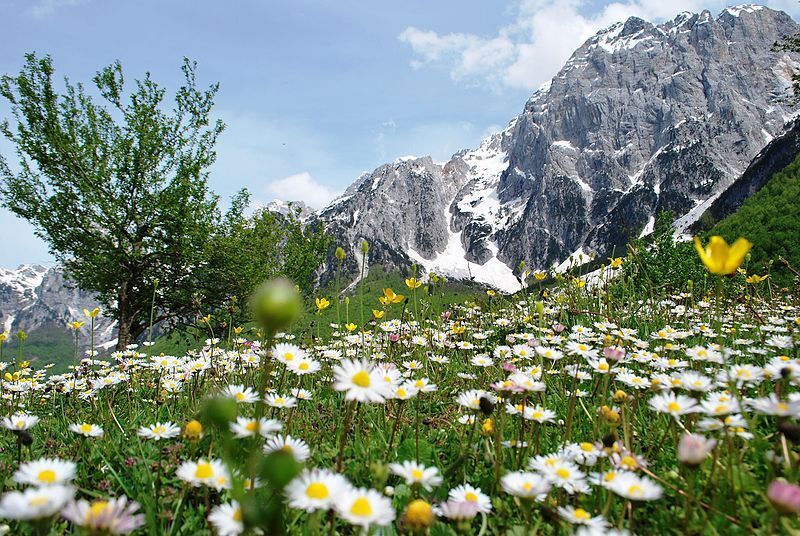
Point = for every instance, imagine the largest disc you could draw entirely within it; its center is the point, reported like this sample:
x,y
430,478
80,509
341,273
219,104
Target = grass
x,y
597,403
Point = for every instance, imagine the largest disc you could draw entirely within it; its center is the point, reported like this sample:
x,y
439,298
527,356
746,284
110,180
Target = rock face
x,y
642,118
34,297
780,152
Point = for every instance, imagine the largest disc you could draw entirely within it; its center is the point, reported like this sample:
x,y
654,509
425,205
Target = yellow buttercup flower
x,y
3,336
413,282
755,279
93,313
616,262
720,258
322,303
491,293
350,327
389,296
378,314
539,275
76,325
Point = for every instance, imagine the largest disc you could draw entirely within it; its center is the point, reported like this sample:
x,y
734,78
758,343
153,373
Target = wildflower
x,y
413,282
244,427
673,404
35,503
364,507
390,297
227,519
565,475
771,405
755,279
378,314
45,472
467,493
525,484
202,472
784,497
693,449
193,430
322,304
315,489
159,431
579,516
76,325
276,304
280,401
416,473
241,394
472,399
91,314
720,258
114,516
20,421
635,488
361,380
296,447
87,430
459,510
418,516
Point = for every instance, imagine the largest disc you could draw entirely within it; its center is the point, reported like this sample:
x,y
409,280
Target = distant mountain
x,y
642,118
34,298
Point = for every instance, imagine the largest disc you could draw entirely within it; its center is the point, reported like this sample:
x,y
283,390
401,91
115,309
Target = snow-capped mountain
x,y
34,297
642,118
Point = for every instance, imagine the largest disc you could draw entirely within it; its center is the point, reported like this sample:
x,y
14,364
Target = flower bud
x,y
364,247
276,304
785,497
693,449
340,253
418,516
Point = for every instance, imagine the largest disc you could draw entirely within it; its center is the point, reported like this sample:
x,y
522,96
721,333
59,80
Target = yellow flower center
x,y
159,430
237,515
538,414
251,426
96,510
239,396
48,476
782,406
416,474
673,406
303,366
608,477
582,514
280,400
361,378
563,473
527,486
39,500
204,470
603,366
635,490
419,384
471,497
402,392
361,507
317,490
629,462
288,356
587,447
86,428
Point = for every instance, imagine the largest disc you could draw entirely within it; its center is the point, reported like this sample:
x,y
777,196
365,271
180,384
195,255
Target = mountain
x,y
642,118
36,299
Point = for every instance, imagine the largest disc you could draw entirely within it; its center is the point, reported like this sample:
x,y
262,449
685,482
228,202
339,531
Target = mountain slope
x,y
642,118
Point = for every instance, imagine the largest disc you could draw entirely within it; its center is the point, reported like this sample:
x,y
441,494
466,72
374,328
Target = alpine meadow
x,y
588,324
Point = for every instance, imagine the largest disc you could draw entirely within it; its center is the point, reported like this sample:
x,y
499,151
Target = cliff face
x,y
642,118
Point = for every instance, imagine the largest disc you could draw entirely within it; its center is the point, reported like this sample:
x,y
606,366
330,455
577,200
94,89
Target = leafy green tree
x,y
116,183
246,250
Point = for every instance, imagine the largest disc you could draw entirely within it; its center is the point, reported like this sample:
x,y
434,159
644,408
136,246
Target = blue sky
x,y
313,91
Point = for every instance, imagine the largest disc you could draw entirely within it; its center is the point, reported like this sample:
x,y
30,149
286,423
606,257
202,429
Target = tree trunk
x,y
124,319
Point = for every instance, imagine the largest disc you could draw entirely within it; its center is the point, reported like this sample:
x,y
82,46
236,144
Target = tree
x,y
117,189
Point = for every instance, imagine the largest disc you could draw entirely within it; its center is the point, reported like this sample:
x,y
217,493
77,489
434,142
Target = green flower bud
x,y
539,308
276,304
364,247
340,254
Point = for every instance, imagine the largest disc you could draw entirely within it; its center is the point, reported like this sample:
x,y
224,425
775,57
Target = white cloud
x,y
301,187
529,51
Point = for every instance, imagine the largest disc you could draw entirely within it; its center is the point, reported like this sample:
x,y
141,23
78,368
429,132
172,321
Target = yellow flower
x,y
76,325
580,283
616,262
413,282
3,336
491,293
419,515
378,314
755,279
350,327
459,329
237,330
539,275
389,296
322,303
720,258
206,319
487,427
193,430
93,313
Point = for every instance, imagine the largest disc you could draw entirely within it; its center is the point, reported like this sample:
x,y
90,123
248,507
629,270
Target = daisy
x,y
244,427
472,399
302,394
280,401
635,488
565,475
579,516
525,485
673,404
364,507
287,353
112,516
771,405
361,381
315,489
296,447
227,519
467,493
45,472
35,503
405,391
304,366
458,510
416,473
158,431
202,472
241,394
87,430
20,421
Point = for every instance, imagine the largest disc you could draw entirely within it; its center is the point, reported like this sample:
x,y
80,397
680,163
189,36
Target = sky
x,y
316,92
